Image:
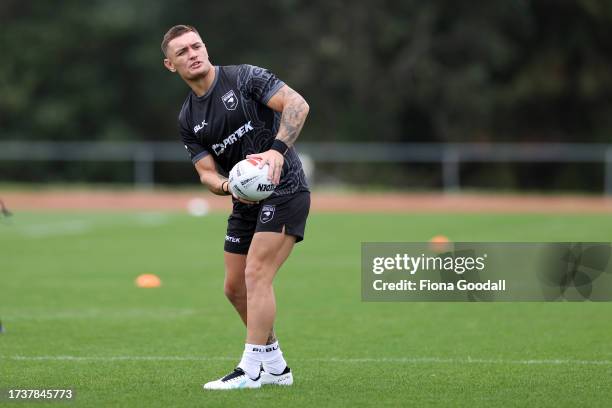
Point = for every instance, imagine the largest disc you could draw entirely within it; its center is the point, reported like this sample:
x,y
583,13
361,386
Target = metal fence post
x,y
144,171
450,170
608,172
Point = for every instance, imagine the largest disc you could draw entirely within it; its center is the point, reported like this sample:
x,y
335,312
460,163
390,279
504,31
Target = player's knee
x,y
234,292
254,275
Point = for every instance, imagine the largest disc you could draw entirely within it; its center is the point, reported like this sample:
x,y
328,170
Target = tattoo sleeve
x,y
293,116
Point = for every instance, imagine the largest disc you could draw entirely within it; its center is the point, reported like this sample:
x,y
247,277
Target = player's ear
x,y
169,65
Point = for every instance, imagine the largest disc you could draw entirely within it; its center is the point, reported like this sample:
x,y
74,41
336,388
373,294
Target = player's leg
x,y
241,226
235,287
268,252
240,230
281,223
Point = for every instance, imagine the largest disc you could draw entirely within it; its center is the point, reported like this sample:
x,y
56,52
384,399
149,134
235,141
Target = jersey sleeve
x,y
195,149
259,83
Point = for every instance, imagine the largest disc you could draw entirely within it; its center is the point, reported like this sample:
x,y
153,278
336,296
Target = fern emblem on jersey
x,y
230,100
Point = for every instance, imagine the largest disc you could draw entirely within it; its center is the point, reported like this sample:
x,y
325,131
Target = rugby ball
x,y
249,182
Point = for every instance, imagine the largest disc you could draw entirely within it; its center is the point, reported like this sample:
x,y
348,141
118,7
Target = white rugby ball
x,y
249,182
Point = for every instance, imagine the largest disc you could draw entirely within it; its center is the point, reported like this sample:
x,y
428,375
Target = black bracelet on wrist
x,y
279,146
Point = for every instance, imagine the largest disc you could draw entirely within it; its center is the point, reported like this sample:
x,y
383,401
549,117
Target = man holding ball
x,y
232,113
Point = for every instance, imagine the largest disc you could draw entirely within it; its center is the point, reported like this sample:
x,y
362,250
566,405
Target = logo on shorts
x,y
233,240
267,213
229,100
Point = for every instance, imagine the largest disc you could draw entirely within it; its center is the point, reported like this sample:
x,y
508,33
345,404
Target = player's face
x,y
187,55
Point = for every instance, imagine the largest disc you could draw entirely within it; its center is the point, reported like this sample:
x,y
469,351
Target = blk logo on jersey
x,y
229,100
199,127
267,213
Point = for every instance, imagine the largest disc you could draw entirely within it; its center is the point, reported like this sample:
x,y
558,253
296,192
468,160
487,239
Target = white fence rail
x,y
450,156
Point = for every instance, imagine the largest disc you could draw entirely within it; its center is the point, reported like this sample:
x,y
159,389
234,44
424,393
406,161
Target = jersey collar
x,y
212,87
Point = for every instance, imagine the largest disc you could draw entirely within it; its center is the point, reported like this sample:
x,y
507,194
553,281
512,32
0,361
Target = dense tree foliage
x,y
388,70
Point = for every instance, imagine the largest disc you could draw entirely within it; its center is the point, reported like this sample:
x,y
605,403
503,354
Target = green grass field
x,y
74,319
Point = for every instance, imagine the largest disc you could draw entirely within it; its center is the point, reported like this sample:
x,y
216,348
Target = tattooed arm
x,y
294,110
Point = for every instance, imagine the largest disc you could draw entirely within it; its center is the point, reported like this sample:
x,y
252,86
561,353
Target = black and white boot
x,y
284,378
237,379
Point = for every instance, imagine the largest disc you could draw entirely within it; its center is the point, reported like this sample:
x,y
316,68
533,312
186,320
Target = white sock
x,y
272,359
251,360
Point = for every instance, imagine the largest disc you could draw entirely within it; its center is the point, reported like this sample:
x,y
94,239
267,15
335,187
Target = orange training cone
x,y
148,280
439,243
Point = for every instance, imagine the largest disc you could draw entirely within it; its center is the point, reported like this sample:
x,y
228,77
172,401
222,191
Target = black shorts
x,y
271,215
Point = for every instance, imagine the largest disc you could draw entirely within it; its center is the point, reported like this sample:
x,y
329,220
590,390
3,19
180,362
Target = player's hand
x,y
274,159
243,201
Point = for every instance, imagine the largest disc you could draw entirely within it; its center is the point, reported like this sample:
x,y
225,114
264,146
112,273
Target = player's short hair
x,y
174,32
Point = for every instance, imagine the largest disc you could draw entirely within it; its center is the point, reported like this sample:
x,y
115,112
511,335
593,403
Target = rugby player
x,y
232,113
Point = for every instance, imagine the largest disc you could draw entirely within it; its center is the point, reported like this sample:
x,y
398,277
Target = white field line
x,y
113,358
75,227
152,218
384,360
56,228
99,313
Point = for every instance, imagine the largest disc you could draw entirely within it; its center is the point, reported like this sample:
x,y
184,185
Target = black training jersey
x,y
232,120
